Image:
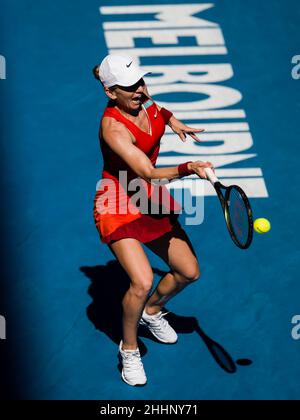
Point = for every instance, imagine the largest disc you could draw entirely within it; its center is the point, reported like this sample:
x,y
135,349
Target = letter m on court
x,y
2,328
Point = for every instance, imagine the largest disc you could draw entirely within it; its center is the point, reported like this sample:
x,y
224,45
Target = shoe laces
x,y
158,322
132,360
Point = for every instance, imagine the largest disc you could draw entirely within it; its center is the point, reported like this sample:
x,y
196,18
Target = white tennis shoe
x,y
133,370
159,327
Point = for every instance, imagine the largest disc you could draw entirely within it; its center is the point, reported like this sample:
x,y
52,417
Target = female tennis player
x,y
130,132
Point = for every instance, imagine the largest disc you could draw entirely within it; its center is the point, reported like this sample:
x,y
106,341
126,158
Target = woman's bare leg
x,y
133,259
176,250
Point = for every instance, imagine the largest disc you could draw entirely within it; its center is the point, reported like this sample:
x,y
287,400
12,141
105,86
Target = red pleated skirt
x,y
145,229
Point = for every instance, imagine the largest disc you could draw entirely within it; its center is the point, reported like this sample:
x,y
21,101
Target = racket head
x,y
238,216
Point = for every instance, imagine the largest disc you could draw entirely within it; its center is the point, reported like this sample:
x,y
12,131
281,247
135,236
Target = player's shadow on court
x,y
109,284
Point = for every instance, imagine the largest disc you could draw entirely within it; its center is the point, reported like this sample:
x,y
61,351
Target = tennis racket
x,y
237,211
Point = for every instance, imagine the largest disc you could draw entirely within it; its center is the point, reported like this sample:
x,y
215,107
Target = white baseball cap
x,y
120,70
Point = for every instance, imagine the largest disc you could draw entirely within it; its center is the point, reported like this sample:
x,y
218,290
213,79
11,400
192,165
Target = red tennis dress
x,y
116,211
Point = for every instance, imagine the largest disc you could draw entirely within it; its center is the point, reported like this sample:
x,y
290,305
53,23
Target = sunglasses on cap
x,y
132,88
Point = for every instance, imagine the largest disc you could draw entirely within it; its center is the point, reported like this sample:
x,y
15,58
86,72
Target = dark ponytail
x,y
96,72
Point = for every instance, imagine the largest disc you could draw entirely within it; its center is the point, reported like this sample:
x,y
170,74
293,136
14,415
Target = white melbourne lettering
x,y
224,143
166,16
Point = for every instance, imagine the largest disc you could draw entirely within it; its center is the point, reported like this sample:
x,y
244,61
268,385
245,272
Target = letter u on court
x,y
2,328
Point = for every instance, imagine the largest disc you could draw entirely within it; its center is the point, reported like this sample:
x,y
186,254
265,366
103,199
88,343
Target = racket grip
x,y
211,175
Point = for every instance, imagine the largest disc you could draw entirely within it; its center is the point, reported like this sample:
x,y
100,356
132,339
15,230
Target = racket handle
x,y
211,175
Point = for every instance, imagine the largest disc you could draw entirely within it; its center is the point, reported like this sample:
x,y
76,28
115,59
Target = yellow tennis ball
x,y
262,225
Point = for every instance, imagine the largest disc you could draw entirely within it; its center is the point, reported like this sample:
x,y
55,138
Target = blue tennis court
x,y
225,66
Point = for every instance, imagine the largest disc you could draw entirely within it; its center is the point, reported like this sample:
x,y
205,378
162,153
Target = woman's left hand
x,y
182,130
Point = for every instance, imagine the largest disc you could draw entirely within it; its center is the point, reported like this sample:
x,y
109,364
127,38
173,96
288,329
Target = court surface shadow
x,y
108,285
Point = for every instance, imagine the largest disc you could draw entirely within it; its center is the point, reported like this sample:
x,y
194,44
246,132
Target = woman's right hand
x,y
198,167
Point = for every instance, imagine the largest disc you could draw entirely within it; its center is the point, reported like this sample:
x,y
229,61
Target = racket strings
x,y
239,217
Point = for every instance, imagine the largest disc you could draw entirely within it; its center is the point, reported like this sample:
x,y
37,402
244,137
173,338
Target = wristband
x,y
183,169
166,115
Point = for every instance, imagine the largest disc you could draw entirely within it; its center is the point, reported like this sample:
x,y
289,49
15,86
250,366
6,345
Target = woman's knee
x,y
141,287
190,274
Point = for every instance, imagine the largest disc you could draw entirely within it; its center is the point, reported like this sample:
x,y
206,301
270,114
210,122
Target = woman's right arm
x,y
120,141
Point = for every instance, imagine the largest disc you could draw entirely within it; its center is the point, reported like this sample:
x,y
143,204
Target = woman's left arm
x,y
182,130
177,126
